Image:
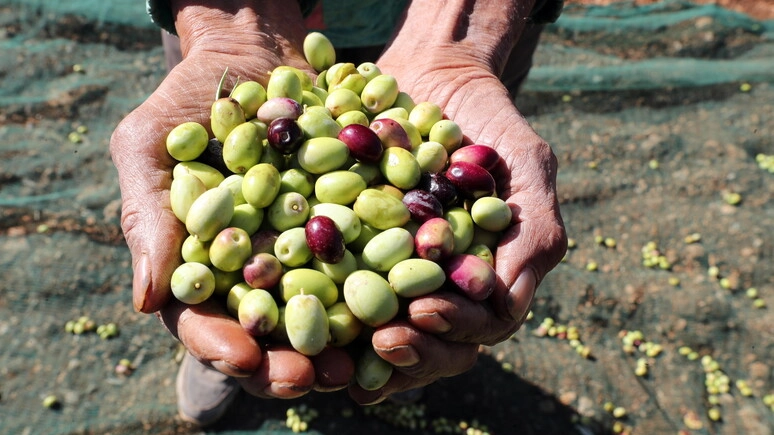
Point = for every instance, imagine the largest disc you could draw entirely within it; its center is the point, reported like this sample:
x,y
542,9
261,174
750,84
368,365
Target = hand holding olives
x,y
348,221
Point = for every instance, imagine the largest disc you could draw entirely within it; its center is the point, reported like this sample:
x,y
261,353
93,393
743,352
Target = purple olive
x,y
285,135
258,312
440,187
391,133
434,239
471,275
324,239
213,156
471,180
363,143
262,271
482,155
279,107
422,205
263,241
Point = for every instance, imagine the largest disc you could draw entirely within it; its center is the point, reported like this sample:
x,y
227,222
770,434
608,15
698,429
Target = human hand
x,y
211,39
444,330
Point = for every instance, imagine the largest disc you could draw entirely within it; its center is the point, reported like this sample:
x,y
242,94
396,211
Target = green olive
x,y
415,277
225,115
210,176
380,209
352,117
491,213
424,115
284,82
431,156
288,210
192,283
195,251
400,167
371,371
319,51
447,133
242,148
261,185
387,249
250,95
187,141
319,155
342,100
462,228
309,282
306,323
339,187
210,213
379,93
183,192
344,326
370,297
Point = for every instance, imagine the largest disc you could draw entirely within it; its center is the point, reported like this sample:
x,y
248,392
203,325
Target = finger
x,y
537,237
145,176
419,360
529,249
333,369
138,148
454,317
283,374
398,382
213,337
421,355
536,241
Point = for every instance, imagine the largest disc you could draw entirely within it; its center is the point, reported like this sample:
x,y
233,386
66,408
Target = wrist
x,y
478,34
238,27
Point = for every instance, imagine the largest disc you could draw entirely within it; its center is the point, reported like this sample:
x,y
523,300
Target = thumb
x,y
537,241
153,233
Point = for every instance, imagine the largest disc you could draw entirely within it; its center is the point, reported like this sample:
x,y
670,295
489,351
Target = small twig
x,y
220,84
235,86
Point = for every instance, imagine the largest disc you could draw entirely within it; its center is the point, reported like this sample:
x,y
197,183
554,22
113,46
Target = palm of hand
x,y
154,234
444,329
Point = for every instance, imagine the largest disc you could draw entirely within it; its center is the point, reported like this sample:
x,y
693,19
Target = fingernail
x,y
401,356
378,398
431,322
228,369
286,390
520,296
141,282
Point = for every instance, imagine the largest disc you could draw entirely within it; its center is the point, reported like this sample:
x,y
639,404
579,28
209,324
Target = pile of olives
x,y
320,207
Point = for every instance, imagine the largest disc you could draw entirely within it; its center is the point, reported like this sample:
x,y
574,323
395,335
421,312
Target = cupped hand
x,y
154,235
444,330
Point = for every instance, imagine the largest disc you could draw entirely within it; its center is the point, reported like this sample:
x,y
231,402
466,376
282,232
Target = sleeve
x,y
160,12
546,11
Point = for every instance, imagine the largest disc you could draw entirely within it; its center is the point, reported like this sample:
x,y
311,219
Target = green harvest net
x,y
615,88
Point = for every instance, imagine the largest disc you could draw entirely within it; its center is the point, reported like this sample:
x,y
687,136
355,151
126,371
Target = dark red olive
x,y
363,143
422,205
482,155
324,239
471,180
440,187
391,133
285,135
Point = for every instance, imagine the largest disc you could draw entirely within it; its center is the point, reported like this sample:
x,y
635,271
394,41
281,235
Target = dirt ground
x,y
760,9
664,172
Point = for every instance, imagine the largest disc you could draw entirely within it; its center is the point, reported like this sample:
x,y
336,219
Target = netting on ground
x,y
87,63
664,45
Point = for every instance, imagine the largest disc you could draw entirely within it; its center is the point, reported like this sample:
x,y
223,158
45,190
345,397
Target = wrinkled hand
x,y
444,330
154,234
442,334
